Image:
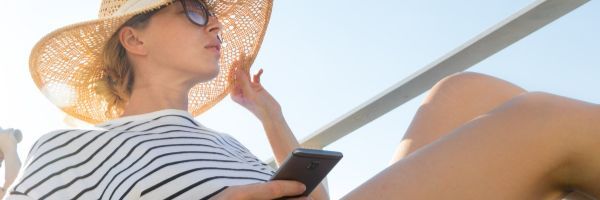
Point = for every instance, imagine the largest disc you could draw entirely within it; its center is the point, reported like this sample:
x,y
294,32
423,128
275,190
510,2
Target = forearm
x,y
283,142
280,136
12,167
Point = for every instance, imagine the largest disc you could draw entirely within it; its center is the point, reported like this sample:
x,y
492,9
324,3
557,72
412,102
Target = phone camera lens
x,y
313,165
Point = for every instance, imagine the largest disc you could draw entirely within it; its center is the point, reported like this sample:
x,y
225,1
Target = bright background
x,y
323,58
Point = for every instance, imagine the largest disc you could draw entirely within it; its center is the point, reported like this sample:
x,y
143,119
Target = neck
x,y
154,97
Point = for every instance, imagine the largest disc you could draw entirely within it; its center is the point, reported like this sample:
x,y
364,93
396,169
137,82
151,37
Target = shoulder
x,y
57,136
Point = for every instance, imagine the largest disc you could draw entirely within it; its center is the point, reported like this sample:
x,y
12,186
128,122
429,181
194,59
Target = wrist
x,y
270,115
269,111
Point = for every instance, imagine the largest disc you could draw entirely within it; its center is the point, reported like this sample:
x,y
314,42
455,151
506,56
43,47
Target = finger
x,y
282,188
257,76
236,84
301,198
242,80
273,189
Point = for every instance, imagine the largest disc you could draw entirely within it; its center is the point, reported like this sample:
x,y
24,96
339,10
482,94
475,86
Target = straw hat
x,y
66,64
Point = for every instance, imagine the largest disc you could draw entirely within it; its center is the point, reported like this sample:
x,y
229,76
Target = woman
x,y
157,60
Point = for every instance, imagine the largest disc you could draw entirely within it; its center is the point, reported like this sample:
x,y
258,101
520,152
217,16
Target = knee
x,y
568,128
473,80
554,111
538,105
532,101
544,103
462,77
471,85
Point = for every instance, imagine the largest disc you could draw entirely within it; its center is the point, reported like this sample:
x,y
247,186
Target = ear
x,y
130,39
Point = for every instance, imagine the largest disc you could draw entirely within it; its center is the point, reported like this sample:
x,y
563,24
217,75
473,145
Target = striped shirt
x,y
159,155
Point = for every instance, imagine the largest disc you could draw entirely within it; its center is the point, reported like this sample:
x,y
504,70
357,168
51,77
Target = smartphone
x,y
308,166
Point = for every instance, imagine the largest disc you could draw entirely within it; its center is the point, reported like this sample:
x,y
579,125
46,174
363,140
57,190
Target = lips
x,y
214,45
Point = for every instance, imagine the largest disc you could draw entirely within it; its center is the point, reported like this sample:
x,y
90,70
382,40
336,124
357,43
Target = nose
x,y
214,25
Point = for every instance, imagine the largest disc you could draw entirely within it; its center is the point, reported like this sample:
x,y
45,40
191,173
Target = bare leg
x,y
453,101
535,146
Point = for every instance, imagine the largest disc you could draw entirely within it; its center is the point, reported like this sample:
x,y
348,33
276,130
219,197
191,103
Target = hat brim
x,y
66,64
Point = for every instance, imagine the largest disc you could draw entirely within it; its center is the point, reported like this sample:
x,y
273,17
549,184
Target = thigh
x,y
516,152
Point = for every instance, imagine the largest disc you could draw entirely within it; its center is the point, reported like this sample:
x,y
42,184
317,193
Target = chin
x,y
215,71
210,74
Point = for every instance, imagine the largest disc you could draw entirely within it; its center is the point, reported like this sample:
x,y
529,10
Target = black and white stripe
x,y
159,155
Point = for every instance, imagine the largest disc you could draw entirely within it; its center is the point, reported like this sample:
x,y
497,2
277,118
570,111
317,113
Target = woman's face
x,y
183,48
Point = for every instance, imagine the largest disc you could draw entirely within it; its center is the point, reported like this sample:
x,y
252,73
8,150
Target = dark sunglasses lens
x,y
197,12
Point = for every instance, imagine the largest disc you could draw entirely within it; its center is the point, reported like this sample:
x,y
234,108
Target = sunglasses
x,y
196,11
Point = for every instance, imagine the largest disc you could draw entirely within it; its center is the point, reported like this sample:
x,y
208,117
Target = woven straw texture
x,y
67,63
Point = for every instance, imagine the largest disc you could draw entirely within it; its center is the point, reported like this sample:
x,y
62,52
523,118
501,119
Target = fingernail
x,y
302,187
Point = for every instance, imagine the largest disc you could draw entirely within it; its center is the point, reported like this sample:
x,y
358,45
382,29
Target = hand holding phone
x,y
268,190
308,166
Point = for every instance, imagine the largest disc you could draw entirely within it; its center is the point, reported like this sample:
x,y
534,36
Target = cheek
x,y
181,46
168,47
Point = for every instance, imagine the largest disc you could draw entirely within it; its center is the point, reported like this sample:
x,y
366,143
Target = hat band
x,y
136,6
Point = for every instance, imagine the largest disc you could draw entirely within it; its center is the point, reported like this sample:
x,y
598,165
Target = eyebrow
x,y
179,5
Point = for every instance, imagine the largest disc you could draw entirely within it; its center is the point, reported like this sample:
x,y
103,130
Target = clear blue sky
x,y
323,58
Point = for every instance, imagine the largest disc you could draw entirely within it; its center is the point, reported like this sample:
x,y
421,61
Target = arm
x,y
283,142
280,136
252,96
8,151
16,173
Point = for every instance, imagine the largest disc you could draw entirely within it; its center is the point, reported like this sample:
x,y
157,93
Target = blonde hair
x,y
117,82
